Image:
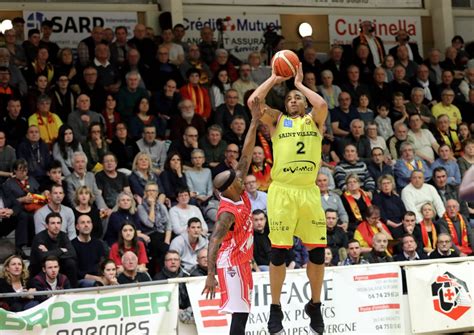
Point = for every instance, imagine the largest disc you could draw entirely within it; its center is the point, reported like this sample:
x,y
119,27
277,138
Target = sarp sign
x,y
242,34
343,29
69,28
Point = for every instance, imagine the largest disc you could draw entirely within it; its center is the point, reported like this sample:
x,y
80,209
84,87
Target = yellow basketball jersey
x,y
296,151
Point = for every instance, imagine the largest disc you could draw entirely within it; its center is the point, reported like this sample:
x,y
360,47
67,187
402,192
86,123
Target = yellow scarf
x,y
463,243
453,142
419,165
353,203
198,98
426,239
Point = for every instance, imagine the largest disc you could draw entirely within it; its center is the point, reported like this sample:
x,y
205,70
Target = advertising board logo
x,y
210,314
227,24
451,296
300,166
34,20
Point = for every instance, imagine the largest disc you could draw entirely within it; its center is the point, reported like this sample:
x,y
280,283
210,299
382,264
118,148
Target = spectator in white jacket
x,y
417,193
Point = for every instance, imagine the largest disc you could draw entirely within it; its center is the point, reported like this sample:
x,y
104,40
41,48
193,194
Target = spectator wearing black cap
x,y
31,44
53,48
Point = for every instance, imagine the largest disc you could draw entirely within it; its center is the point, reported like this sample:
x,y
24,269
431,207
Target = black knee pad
x,y
316,255
278,256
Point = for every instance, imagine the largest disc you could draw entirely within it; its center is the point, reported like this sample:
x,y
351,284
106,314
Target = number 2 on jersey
x,y
300,150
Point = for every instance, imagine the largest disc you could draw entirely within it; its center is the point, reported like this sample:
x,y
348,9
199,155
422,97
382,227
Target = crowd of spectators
x,y
107,155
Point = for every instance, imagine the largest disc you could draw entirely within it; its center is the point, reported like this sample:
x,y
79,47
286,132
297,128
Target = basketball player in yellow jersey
x,y
294,201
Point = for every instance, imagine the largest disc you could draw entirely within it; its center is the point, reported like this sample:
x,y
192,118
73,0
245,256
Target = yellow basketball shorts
x,y
294,211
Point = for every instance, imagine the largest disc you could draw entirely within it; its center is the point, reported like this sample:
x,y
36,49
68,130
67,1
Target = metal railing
x,y
99,289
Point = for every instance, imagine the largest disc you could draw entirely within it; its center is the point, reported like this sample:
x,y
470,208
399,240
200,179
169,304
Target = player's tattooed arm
x,y
249,144
222,227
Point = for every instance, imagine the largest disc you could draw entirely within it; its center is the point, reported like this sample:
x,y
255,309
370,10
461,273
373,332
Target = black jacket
x,y
53,246
414,49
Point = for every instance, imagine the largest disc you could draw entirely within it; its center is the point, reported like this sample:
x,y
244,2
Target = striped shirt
x,y
237,246
343,169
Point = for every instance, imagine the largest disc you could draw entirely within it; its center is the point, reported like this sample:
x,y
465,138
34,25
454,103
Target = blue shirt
x,y
259,202
452,169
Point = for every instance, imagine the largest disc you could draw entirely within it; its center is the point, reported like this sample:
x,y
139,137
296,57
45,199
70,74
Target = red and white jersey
x,y
237,246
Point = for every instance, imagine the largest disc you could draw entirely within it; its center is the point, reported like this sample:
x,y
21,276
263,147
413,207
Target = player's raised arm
x,y
466,190
271,115
249,144
221,228
320,107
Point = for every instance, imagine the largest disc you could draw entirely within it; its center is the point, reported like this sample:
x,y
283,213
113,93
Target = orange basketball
x,y
285,63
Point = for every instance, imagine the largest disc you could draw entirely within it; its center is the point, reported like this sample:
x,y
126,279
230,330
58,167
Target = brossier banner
x,y
343,29
242,34
144,310
360,299
444,292
69,28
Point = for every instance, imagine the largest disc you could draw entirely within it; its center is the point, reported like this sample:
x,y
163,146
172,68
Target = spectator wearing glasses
x,y
444,247
230,161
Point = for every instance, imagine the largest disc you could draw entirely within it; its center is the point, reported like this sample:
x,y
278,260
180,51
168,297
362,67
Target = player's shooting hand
x,y
210,288
299,75
256,110
279,79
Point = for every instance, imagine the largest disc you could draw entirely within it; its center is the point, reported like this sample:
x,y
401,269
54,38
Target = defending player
x,y
294,201
233,233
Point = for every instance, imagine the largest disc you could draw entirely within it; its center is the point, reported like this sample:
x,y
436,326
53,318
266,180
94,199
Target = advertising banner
x,y
144,310
319,3
444,292
343,29
69,28
241,34
357,300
